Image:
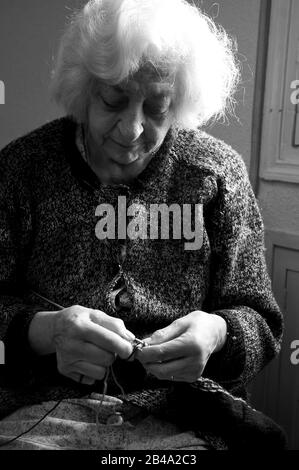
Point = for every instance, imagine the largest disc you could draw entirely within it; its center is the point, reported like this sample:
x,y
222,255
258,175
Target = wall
x,y
29,33
241,20
28,40
279,205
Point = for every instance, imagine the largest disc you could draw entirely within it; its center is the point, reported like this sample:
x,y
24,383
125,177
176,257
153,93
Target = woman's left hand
x,y
181,350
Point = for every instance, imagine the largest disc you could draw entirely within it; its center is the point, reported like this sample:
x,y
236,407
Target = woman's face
x,y
126,124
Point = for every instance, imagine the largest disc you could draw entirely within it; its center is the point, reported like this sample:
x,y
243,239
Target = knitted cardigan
x,y
48,201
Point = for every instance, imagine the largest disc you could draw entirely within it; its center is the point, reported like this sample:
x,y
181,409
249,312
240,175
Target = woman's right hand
x,y
86,341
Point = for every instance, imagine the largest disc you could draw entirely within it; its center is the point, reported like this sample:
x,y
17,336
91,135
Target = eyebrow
x,y
106,88
153,94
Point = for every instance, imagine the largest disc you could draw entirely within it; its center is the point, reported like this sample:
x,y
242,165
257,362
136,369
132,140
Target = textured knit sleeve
x,y
15,314
240,287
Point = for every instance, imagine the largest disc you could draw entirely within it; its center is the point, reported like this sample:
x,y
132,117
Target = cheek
x,y
99,122
155,134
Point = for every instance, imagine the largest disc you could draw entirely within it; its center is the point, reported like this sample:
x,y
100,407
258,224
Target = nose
x,y
131,124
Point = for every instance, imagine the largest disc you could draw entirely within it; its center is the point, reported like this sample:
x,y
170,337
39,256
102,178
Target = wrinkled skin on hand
x,y
181,351
88,341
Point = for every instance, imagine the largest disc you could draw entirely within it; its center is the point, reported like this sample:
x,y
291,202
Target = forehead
x,y
146,82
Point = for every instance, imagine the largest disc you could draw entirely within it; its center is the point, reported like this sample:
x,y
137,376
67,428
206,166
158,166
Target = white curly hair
x,y
110,40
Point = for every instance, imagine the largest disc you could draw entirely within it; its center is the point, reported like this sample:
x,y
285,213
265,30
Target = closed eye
x,y
114,106
156,111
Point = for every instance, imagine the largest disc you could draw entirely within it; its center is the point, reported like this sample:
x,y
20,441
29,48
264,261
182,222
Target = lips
x,y
127,147
125,161
127,155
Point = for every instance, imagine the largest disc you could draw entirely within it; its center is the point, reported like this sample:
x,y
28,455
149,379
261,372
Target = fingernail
x,y
130,335
147,341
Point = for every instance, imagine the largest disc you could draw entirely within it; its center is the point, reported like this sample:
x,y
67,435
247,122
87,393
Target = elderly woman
x,y
78,293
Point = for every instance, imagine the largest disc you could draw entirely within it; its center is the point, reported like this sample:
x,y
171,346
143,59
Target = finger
x,y
181,370
74,350
106,339
168,333
89,370
174,349
96,355
80,378
108,399
113,324
87,380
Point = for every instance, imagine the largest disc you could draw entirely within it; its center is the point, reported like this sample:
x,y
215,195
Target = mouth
x,y
126,156
125,162
126,147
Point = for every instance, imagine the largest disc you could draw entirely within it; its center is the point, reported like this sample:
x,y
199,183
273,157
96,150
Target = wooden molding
x,y
279,155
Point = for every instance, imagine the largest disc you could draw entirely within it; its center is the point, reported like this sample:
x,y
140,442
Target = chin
x,y
127,173
122,176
